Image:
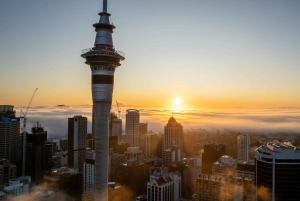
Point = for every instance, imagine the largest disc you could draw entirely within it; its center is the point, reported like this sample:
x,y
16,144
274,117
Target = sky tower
x,y
103,59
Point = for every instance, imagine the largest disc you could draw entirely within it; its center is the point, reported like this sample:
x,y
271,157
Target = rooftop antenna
x,y
104,6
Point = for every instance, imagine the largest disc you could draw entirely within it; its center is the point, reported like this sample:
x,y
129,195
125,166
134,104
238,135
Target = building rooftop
x,y
245,167
172,119
280,150
226,161
133,149
215,145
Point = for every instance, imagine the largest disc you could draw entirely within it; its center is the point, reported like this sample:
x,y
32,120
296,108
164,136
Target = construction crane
x,y
24,130
24,114
119,109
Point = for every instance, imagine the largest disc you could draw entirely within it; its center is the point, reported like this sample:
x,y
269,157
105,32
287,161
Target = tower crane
x,y
119,109
24,130
24,114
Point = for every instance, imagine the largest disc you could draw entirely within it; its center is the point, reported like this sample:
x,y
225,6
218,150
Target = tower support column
x,y
101,111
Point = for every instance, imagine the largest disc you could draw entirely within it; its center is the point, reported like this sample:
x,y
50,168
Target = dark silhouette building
x,y
132,176
212,152
277,172
37,154
77,138
9,132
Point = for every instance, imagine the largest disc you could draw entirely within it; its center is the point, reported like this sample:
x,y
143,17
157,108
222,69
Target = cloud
x,y
55,119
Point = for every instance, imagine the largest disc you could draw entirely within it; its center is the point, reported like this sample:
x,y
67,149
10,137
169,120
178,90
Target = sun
x,y
177,101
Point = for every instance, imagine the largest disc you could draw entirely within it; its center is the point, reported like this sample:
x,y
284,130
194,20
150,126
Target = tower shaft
x,y
103,60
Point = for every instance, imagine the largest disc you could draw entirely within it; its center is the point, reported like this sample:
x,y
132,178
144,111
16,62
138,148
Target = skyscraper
x,y
117,129
277,172
132,127
77,134
103,60
36,153
9,131
173,136
243,148
63,142
212,152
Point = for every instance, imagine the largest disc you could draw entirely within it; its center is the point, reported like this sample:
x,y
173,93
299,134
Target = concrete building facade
x,y
243,142
77,135
132,127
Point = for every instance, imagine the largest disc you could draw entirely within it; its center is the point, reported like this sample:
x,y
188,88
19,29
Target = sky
x,y
211,54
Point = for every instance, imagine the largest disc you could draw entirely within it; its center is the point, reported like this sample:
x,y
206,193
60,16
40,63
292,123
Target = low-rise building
x,y
224,166
18,188
166,187
216,187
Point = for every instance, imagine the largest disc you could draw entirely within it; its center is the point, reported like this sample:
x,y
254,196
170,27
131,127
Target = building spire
x,y
104,6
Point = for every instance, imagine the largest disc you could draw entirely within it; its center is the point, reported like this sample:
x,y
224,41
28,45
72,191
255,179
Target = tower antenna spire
x,y
105,6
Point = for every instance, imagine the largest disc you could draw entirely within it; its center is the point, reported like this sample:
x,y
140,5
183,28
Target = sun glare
x,y
177,101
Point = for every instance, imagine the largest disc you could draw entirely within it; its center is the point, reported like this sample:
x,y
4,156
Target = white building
x,y
18,188
88,180
132,127
166,187
243,142
2,196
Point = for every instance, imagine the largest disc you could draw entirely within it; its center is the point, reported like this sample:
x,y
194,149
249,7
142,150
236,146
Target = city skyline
x,y
213,54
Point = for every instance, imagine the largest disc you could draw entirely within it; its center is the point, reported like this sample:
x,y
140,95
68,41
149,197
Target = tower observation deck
x,y
103,60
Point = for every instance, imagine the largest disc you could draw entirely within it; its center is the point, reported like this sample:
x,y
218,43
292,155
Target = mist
x,y
279,120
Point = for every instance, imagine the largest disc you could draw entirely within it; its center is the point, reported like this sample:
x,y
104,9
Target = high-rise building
x,y
88,180
132,176
113,143
63,142
243,142
112,116
4,172
143,129
117,128
37,154
77,134
173,135
103,60
115,161
9,132
171,156
90,141
212,152
152,144
277,171
166,187
132,127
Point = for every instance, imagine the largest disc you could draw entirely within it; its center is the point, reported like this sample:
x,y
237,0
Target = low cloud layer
x,y
287,120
